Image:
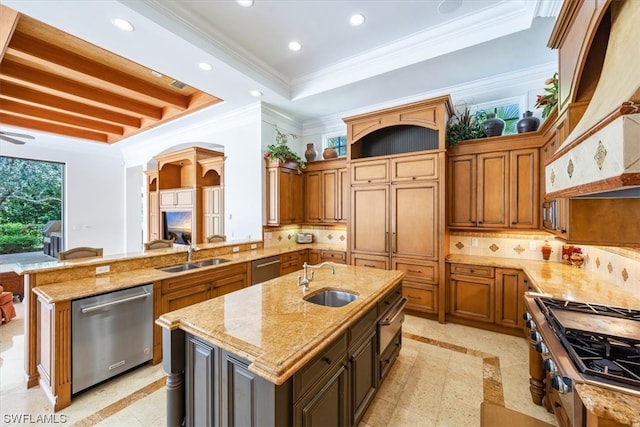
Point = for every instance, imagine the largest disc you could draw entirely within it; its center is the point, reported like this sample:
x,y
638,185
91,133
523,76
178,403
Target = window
x,y
509,112
339,142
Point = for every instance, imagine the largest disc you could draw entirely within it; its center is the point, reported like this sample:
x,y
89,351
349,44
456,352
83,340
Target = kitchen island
x,y
264,355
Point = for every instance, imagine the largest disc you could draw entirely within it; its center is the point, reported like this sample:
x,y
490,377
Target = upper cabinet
x,y
285,202
491,186
182,182
326,192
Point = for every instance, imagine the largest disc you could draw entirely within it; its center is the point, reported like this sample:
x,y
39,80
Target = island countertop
x,y
273,327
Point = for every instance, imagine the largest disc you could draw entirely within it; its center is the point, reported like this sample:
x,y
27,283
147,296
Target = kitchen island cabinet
x,y
265,356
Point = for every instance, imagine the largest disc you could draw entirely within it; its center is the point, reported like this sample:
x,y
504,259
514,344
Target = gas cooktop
x,y
603,342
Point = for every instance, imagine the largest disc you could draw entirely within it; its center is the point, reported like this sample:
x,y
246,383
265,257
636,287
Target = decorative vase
x,y
330,153
310,154
528,123
546,251
493,125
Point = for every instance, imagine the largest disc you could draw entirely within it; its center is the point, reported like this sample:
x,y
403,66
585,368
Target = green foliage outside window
x,y
510,114
339,143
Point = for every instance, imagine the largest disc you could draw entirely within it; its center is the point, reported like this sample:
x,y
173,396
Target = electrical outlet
x,y
103,269
474,242
532,245
236,249
254,246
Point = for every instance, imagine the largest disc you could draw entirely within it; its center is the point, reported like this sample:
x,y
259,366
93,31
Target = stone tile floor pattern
x,y
441,377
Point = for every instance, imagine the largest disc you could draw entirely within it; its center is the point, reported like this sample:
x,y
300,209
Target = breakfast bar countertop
x,y
273,327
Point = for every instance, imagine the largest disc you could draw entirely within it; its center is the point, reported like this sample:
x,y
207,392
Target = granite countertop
x,y
570,283
271,326
66,290
561,281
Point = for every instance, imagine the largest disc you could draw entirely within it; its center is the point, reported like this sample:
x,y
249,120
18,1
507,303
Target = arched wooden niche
x,y
420,126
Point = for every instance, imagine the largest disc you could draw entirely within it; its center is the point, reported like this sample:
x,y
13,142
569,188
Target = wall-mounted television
x,y
177,226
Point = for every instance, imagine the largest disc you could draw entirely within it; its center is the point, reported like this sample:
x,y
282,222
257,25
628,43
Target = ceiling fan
x,y
9,137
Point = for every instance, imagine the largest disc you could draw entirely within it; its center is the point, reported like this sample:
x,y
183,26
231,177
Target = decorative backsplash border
x,y
286,235
617,265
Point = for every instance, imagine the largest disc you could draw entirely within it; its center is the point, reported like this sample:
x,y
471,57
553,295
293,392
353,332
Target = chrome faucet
x,y
304,281
190,250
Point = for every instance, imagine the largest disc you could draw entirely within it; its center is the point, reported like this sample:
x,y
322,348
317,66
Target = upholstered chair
x,y
158,244
7,309
79,252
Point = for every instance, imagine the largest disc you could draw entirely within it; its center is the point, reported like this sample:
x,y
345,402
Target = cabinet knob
x,y
327,360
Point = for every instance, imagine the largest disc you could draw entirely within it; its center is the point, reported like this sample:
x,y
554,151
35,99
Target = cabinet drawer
x,y
472,270
389,300
421,297
370,261
335,256
417,271
317,367
291,256
370,171
414,168
361,327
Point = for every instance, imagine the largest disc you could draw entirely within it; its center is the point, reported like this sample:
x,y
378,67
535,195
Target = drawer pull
x,y
370,265
413,297
472,270
414,271
327,360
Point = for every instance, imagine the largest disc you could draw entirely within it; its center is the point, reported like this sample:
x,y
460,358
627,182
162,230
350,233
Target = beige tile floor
x,y
442,375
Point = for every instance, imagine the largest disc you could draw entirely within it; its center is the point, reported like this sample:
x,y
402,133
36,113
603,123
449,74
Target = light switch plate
x,y
474,242
532,245
254,246
103,269
236,249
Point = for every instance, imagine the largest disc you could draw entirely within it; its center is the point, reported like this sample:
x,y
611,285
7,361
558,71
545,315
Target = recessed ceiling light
x,y
356,20
154,73
256,93
122,24
448,6
245,3
295,46
205,66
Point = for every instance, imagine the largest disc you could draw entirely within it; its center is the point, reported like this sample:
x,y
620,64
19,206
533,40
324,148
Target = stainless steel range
x,y
574,342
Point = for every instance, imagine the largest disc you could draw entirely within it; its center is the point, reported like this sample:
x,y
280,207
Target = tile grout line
x,y
491,375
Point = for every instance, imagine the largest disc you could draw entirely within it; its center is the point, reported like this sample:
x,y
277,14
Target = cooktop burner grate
x,y
583,307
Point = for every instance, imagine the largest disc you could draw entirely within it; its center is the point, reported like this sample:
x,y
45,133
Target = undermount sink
x,y
208,262
177,268
331,298
193,265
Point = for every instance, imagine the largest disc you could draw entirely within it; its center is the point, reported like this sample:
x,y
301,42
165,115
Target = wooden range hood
x,y
600,158
53,82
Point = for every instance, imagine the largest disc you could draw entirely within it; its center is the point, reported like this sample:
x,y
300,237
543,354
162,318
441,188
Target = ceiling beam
x,y
43,126
8,21
78,63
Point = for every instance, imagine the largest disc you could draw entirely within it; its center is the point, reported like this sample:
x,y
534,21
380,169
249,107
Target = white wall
x,y
93,188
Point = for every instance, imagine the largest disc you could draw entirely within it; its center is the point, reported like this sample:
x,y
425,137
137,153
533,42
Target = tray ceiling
x,y
53,82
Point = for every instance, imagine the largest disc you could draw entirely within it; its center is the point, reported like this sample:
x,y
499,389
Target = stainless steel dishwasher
x,y
110,334
265,269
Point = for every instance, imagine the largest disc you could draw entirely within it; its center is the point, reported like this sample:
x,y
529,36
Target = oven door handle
x,y
394,312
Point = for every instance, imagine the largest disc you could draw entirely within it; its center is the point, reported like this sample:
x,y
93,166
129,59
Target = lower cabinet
x,y
420,285
486,296
292,261
326,404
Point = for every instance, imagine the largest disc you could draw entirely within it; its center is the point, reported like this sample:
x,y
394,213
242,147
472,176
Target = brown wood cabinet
x,y
285,202
496,189
326,192
293,261
488,297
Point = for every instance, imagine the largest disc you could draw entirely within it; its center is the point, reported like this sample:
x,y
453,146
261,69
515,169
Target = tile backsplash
x,y
617,265
286,235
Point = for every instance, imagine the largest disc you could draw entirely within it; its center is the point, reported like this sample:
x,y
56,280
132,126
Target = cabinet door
x,y
329,192
167,198
362,365
370,219
327,403
212,202
472,297
493,190
313,193
294,196
421,297
525,188
369,172
462,191
414,228
510,288
314,256
342,196
227,285
184,198
201,382
154,216
414,167
184,298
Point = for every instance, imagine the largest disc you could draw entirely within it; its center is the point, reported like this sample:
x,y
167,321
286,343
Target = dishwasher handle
x,y
266,264
116,302
394,312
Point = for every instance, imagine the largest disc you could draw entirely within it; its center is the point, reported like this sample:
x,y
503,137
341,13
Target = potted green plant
x,y
549,100
464,126
281,152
